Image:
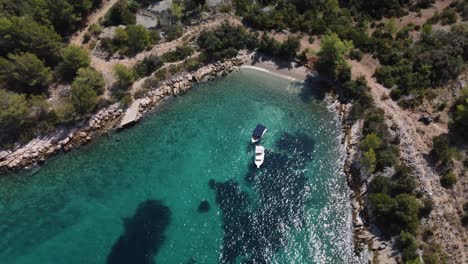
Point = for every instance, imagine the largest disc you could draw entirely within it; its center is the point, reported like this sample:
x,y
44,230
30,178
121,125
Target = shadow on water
x,y
315,88
143,235
255,229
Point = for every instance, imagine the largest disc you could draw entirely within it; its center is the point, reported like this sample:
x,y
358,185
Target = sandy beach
x,y
290,70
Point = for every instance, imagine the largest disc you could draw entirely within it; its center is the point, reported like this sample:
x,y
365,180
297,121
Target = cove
x,y
134,196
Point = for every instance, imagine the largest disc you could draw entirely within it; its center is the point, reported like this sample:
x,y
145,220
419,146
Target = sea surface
x,y
181,187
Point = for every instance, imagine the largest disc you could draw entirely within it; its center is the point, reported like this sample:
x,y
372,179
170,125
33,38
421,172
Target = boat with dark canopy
x,y
258,133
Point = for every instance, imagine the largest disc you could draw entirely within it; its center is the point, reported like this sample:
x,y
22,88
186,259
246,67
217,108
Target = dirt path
x,y
106,66
415,145
77,38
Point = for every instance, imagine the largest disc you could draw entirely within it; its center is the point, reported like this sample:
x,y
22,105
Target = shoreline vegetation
x,y
106,119
396,73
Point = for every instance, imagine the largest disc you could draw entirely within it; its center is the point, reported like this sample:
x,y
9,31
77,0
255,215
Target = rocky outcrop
x,y
64,139
39,149
184,81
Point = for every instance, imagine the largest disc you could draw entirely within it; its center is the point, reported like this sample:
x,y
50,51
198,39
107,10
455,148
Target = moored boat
x,y
258,133
259,155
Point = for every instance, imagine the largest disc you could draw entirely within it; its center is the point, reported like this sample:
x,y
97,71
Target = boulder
x,y
4,154
65,141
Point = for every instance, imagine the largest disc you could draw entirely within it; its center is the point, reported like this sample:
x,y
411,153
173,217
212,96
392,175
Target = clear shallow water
x,y
133,196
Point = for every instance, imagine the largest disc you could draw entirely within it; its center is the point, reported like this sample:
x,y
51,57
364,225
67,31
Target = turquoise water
x,y
132,196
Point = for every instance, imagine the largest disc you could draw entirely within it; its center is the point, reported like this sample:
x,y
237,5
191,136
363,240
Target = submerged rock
x,y
204,206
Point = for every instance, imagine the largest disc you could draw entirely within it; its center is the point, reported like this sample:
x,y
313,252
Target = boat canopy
x,y
258,131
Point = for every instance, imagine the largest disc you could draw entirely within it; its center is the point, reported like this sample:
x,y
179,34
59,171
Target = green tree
x,y
371,141
83,98
23,34
138,37
176,10
24,73
332,55
461,113
65,111
122,13
121,37
368,160
125,76
13,113
90,78
380,184
382,205
74,58
61,15
409,246
290,47
148,65
406,213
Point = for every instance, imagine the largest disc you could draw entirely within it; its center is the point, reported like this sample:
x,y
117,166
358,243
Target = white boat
x,y
258,133
259,155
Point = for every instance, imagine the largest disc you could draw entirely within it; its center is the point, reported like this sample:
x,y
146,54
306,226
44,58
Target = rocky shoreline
x,y
365,242
38,150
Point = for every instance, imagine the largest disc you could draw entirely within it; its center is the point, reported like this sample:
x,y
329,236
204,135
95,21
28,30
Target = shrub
x,y
86,37
91,78
448,180
193,64
368,161
427,207
65,112
173,32
83,98
74,58
180,53
125,76
138,38
396,214
441,150
356,55
224,42
396,94
122,13
148,65
95,29
13,113
161,74
380,184
408,245
386,158
126,99
461,113
370,141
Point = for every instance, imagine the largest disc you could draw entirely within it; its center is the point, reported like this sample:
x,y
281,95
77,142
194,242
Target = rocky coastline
x,y
366,243
38,150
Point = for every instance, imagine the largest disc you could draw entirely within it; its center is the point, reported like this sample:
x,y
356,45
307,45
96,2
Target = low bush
x,y
448,180
180,53
148,65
